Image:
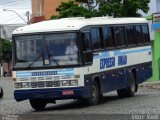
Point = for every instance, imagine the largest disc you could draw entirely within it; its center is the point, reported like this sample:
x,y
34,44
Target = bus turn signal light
x,y
14,79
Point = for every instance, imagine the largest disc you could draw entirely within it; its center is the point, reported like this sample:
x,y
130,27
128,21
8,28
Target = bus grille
x,y
44,84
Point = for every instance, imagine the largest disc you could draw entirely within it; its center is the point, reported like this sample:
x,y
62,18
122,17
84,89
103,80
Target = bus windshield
x,y
58,49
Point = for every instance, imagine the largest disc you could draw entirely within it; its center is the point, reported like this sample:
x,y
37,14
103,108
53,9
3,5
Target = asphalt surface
x,y
145,105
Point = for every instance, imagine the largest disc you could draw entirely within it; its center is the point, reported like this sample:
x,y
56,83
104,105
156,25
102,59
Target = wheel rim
x,y
94,94
132,85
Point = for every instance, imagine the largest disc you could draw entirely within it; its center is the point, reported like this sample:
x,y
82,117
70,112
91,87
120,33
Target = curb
x,y
154,85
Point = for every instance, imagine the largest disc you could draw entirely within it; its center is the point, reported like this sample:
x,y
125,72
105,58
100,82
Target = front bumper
x,y
52,93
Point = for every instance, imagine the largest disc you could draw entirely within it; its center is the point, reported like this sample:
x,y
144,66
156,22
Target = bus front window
x,y
58,49
62,48
29,50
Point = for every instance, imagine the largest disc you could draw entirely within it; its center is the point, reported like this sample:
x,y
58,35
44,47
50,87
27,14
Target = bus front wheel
x,y
94,99
129,91
37,104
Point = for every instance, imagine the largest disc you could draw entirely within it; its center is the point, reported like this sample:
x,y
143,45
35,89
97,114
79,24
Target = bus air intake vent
x,y
41,84
41,78
34,84
49,78
66,77
49,84
33,79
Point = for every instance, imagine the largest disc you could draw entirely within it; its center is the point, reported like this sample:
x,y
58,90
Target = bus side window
x,y
109,41
87,49
96,38
145,33
131,41
138,35
120,36
86,41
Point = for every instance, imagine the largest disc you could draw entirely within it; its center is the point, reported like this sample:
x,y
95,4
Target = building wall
x,y
44,9
38,8
50,7
37,11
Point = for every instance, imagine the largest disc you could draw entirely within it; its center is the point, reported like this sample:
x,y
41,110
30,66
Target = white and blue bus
x,y
78,58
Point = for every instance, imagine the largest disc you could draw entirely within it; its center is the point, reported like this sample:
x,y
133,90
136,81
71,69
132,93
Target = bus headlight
x,y
69,82
25,85
66,83
18,85
74,82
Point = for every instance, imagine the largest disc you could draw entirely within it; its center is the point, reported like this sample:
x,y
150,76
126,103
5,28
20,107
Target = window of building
x,y
131,41
96,38
108,38
120,36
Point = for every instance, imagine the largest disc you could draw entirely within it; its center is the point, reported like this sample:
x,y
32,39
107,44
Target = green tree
x,y
6,50
72,9
111,8
123,8
95,8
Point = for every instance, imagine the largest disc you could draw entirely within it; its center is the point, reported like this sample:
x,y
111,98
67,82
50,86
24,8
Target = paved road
x,y
146,101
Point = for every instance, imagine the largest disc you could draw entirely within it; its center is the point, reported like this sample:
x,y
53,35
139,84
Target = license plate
x,y
67,92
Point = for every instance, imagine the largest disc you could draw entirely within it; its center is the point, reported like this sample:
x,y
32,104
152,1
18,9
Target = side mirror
x,y
88,57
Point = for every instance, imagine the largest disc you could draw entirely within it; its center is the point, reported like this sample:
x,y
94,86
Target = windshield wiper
x,y
35,60
22,61
49,56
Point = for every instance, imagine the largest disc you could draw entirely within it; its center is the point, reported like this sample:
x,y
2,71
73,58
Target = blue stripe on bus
x,y
119,53
101,55
66,72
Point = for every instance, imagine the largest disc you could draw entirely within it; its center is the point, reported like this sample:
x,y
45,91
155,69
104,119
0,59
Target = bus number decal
x,y
107,62
110,62
122,60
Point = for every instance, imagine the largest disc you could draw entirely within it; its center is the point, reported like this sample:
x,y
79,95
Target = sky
x,y
19,6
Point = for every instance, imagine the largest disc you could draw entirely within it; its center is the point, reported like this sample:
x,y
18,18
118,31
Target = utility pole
x,y
17,14
1,51
28,17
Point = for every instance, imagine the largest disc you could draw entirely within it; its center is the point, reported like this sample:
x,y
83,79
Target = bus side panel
x,y
143,72
116,79
109,80
119,78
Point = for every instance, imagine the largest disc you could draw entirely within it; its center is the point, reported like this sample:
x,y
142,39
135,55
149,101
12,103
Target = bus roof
x,y
66,24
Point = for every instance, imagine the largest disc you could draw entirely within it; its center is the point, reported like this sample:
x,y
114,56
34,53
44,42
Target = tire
x,y
1,92
37,104
129,91
94,99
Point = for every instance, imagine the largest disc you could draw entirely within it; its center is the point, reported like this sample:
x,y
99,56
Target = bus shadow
x,y
78,104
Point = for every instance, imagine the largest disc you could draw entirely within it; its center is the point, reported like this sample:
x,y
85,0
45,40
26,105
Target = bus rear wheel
x,y
37,104
129,91
94,99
